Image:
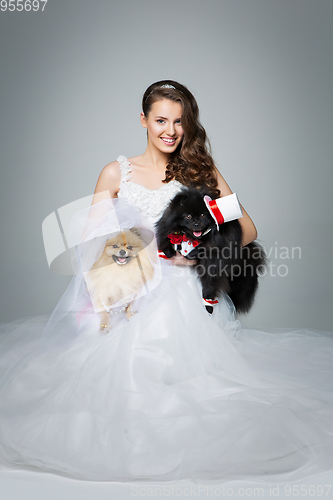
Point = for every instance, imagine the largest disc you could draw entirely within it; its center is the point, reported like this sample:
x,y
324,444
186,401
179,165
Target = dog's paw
x,y
104,329
209,304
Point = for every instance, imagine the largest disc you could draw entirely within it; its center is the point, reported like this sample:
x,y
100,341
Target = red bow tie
x,y
177,238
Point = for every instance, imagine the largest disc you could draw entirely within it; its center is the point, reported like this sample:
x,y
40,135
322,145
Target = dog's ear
x,y
136,231
181,198
206,190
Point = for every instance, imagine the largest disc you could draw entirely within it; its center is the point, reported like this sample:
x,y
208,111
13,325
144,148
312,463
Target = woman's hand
x,y
179,260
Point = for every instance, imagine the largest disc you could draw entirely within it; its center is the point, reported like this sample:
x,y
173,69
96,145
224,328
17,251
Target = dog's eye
x,y
129,247
202,215
188,217
115,246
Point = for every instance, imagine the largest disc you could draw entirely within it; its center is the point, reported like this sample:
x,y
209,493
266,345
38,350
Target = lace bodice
x,y
151,202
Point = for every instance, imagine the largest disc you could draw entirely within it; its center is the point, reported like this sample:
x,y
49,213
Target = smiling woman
x,y
170,392
164,124
174,109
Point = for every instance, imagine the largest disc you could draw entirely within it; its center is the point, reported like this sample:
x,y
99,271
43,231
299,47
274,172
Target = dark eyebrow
x,y
163,117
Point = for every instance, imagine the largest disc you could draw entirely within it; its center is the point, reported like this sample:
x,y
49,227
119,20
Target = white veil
x,y
88,231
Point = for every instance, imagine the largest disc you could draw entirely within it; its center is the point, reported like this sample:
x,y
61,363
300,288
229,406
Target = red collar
x,y
177,238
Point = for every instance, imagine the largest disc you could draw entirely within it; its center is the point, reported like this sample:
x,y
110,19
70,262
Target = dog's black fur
x,y
223,266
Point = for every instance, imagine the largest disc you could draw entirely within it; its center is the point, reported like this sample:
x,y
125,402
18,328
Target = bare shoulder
x,y
112,171
109,179
222,184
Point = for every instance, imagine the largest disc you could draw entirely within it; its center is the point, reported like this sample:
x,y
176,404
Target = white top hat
x,y
224,209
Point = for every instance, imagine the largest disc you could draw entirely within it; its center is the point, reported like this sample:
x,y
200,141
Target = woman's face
x,y
164,125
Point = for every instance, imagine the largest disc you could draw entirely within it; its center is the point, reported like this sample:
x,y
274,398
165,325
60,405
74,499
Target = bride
x,y
172,392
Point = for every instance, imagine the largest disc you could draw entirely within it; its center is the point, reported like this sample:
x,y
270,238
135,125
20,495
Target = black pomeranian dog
x,y
223,265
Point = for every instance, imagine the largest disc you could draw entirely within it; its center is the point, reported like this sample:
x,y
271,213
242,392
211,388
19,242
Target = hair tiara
x,y
164,86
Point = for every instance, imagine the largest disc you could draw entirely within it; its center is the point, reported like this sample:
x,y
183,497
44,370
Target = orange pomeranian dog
x,y
119,274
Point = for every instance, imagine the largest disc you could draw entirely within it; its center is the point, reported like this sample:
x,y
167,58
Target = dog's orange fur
x,y
110,282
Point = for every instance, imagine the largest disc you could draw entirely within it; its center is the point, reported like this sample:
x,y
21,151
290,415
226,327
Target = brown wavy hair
x,y
191,163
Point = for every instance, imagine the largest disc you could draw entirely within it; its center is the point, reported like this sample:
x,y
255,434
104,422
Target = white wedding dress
x,y
171,394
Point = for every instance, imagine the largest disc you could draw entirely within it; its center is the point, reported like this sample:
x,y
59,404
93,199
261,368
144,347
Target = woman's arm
x,y
108,183
249,229
107,187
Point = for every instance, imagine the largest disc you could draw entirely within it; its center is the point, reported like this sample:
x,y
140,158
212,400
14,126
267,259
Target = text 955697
x,y
22,5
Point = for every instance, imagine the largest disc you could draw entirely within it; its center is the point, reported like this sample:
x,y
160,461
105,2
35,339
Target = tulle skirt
x,y
172,393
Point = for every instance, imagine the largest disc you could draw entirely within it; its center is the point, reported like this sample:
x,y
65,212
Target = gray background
x,y
72,78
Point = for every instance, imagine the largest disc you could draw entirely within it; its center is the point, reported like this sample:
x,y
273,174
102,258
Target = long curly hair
x,y
191,163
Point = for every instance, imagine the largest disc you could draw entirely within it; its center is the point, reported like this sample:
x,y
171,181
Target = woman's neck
x,y
155,159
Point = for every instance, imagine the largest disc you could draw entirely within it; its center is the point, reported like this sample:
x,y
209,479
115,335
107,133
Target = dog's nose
x,y
195,224
122,252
